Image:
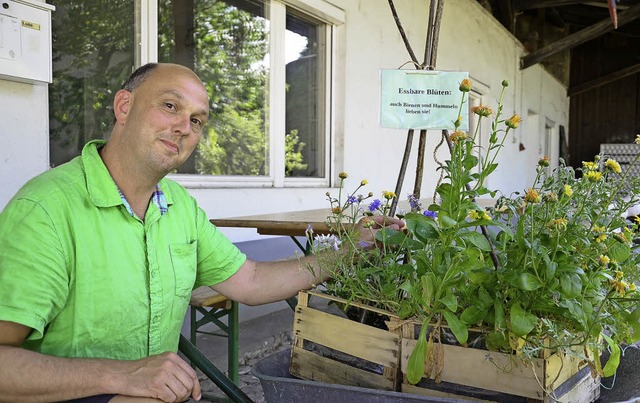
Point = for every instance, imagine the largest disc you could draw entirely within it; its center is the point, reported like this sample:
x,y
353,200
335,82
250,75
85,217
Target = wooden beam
x,y
580,37
521,5
600,81
506,15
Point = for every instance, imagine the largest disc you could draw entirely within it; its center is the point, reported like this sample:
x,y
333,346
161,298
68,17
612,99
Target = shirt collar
x,y
101,187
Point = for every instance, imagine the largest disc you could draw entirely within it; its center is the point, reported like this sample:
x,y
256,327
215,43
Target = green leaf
x,y
458,328
472,315
477,239
480,275
571,285
499,321
618,251
634,321
428,288
415,365
446,221
393,237
528,282
422,227
450,301
611,366
522,322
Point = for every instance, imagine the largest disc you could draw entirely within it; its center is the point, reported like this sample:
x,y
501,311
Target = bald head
x,y
143,72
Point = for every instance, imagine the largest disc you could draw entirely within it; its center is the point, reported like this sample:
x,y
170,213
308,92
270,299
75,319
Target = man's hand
x,y
368,226
165,376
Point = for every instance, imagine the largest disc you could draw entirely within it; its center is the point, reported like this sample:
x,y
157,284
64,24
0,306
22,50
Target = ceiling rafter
x,y
580,37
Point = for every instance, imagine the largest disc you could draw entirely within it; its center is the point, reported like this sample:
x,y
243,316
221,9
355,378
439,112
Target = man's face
x,y
167,113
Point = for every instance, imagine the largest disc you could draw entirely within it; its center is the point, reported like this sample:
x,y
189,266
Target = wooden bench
x,y
214,307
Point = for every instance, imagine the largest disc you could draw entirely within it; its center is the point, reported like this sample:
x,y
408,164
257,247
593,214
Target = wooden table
x,y
291,223
295,223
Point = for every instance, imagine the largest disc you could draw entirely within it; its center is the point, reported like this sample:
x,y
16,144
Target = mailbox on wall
x,y
25,40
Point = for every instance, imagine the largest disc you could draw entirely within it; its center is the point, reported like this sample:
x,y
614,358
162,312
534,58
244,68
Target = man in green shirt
x,y
98,258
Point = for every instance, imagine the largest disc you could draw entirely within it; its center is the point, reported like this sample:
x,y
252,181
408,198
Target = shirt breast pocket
x,y
184,259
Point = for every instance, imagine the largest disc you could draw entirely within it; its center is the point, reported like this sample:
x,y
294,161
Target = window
x,y
93,54
266,65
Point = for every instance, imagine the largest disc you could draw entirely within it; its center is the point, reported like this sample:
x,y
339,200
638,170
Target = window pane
x,y
305,139
93,54
226,44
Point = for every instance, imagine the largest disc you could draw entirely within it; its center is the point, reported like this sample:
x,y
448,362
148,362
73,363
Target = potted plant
x,y
549,271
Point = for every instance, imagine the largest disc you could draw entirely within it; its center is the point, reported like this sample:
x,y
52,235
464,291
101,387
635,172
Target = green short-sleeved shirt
x,y
91,280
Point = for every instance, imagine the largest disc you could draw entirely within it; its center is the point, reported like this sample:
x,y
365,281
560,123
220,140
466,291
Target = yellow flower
x,y
364,182
613,165
342,175
532,196
482,110
601,238
457,136
567,190
619,274
589,165
632,287
475,215
619,286
598,229
336,210
558,224
513,121
593,176
603,260
636,219
465,85
388,195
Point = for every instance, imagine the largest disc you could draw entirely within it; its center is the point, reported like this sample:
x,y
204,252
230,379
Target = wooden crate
x,y
494,376
326,346
474,374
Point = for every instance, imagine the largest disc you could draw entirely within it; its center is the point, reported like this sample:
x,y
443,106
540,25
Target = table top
x,y
291,223
295,223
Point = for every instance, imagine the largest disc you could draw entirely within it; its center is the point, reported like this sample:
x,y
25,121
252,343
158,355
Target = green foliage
x,y
554,268
294,161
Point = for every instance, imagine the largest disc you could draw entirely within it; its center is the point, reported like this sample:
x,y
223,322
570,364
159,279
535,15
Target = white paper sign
x,y
422,99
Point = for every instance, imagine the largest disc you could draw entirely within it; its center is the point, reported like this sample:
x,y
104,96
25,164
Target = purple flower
x,y
375,205
430,214
352,199
414,202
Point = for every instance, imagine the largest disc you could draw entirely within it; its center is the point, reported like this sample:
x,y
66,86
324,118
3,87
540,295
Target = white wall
x,y
470,40
24,133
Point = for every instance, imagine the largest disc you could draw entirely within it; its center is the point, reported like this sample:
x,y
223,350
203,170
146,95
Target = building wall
x,y
470,40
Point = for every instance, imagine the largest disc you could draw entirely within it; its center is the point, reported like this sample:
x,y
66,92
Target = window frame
x,y
320,10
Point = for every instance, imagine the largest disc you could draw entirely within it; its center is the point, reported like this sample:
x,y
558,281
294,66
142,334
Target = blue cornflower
x,y
375,205
352,200
430,214
414,202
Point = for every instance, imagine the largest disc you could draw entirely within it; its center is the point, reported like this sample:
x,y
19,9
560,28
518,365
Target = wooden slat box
x,y
466,372
326,347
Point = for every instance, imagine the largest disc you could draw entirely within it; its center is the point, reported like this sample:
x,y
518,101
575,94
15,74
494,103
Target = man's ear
x,y
122,105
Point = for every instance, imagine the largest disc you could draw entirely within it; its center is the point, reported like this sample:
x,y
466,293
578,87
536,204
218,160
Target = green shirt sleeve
x,y
34,283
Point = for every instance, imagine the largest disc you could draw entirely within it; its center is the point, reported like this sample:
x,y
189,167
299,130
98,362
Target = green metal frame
x,y
200,361
230,330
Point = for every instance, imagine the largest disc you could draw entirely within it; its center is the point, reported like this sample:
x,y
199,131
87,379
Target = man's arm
x,y
258,283
28,376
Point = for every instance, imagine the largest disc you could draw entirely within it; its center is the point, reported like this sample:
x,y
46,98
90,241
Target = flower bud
x,y
505,83
465,85
342,175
